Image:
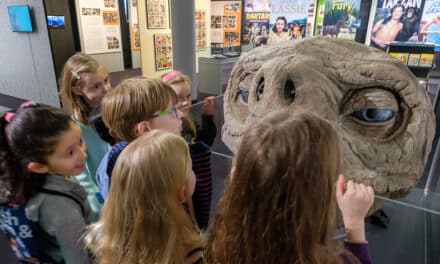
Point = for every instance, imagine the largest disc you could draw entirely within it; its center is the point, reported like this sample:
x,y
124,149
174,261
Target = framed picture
x,y
163,52
200,29
157,14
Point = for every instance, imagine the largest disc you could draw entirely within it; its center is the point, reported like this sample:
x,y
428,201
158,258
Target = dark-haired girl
x,y
40,148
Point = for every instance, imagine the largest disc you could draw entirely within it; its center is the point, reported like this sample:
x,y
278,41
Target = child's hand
x,y
354,200
208,107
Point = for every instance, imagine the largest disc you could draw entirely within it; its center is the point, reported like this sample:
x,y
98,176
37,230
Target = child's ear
x,y
37,167
182,196
77,90
142,127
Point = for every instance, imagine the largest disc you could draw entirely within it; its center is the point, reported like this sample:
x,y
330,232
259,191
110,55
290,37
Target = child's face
x,y
183,96
69,156
168,120
95,86
190,184
280,25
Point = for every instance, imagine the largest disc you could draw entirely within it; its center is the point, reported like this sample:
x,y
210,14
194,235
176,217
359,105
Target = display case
x,y
419,57
413,232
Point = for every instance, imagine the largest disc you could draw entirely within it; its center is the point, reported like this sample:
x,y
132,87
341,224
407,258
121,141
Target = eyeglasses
x,y
168,111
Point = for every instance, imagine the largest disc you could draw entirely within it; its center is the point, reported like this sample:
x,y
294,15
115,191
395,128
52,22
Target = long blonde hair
x,y
280,206
142,220
132,101
70,76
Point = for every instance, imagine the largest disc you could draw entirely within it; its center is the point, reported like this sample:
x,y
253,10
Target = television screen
x,y
20,18
55,21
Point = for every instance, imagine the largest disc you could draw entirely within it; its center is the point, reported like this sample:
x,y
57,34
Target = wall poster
x,y
256,22
430,23
157,15
163,51
226,23
100,26
288,20
200,29
395,20
135,33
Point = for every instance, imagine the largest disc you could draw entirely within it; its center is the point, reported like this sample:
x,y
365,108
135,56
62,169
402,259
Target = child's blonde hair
x,y
142,220
70,76
132,101
177,77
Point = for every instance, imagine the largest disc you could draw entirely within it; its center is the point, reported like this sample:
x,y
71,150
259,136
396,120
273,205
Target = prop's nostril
x,y
289,91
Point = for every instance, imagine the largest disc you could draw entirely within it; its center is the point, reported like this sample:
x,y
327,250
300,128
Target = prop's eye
x,y
244,92
374,115
260,90
289,91
374,112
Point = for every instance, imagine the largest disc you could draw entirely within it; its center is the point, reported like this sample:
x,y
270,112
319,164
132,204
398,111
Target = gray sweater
x,y
62,219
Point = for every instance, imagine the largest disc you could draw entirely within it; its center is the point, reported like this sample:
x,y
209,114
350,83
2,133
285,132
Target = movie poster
x,y
256,21
288,20
395,20
341,18
430,23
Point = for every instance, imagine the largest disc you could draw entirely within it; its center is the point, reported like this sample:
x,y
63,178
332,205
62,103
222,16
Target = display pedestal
x,y
214,74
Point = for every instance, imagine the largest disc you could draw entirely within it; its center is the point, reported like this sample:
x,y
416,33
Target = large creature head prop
x,y
385,120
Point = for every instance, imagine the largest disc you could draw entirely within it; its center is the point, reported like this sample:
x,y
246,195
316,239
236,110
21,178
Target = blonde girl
x,y
40,148
200,139
83,84
143,220
280,206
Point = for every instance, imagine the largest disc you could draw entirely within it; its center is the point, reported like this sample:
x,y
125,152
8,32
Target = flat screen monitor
x,y
55,21
20,18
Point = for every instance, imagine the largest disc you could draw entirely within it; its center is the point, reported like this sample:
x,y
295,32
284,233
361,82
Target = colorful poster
x,y
200,29
226,23
430,23
135,33
163,51
157,14
395,20
256,28
100,26
341,18
288,20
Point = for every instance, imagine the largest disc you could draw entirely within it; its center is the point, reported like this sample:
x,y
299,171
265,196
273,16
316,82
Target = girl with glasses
x,y
200,139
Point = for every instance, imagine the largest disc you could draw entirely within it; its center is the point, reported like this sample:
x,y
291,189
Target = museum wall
x,y
112,61
27,67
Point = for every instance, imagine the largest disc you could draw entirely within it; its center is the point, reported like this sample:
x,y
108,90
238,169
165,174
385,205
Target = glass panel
x,y
421,198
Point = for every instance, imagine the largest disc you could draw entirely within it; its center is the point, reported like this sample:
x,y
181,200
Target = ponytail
x,y
29,135
10,187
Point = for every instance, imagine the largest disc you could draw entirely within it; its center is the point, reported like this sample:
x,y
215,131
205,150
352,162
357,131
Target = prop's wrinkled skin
x,y
384,119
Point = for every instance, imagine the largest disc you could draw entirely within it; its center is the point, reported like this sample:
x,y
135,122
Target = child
x,y
84,82
143,220
280,206
42,212
134,107
197,138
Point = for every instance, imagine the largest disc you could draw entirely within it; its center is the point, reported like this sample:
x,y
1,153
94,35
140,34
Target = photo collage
x,y
226,23
163,51
156,14
200,29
